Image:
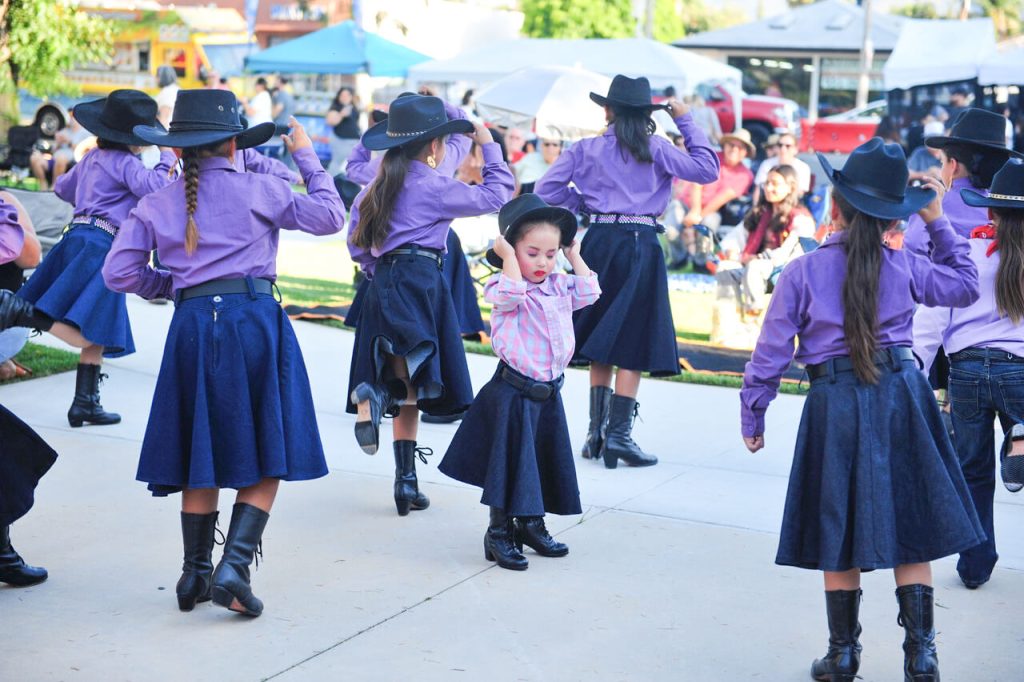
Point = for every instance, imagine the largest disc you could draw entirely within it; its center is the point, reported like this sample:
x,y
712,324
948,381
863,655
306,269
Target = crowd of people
x,y
233,406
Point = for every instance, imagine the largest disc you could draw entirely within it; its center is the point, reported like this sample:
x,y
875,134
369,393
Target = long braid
x,y
190,157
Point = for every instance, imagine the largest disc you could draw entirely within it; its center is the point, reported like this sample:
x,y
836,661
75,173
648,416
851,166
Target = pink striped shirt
x,y
531,324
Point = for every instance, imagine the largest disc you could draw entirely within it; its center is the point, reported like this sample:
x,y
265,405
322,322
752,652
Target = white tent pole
x,y
867,52
812,105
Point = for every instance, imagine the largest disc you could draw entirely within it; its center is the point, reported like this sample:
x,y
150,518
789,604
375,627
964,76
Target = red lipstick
x,y
539,273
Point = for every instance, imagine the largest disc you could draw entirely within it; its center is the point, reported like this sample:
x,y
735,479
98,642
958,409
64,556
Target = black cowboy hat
x,y
874,181
347,190
627,92
530,208
203,117
1007,189
975,128
115,116
410,119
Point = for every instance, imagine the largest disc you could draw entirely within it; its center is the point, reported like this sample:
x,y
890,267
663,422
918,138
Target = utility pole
x,y
867,53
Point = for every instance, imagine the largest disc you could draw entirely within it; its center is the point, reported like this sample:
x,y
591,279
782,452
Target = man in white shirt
x,y
786,157
260,108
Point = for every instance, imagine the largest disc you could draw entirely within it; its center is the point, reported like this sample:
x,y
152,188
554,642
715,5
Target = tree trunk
x,y
8,97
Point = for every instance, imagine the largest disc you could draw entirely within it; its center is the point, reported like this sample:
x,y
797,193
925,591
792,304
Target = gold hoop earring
x,y
431,161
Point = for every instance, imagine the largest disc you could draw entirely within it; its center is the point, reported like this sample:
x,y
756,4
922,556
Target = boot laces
x,y
636,411
101,377
258,554
423,453
217,531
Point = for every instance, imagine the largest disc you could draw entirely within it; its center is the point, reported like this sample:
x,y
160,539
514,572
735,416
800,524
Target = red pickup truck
x,y
761,115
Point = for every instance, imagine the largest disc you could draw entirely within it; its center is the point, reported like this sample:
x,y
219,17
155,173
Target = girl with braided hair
x,y
232,407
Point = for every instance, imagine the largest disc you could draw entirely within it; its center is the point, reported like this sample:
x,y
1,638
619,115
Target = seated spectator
x,y
534,165
888,129
768,239
11,277
925,161
786,157
515,140
47,167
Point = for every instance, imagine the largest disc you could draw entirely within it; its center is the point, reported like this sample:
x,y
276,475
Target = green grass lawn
x,y
44,361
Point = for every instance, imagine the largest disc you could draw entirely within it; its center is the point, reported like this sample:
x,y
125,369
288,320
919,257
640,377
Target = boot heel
x,y
488,554
75,423
222,597
403,506
611,460
186,603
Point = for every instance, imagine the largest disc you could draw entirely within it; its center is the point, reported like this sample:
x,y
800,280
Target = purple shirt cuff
x,y
752,422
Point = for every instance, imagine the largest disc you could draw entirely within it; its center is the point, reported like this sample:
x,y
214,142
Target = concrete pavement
x,y
670,575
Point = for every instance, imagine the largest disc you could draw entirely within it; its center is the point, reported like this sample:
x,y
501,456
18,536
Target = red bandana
x,y
987,232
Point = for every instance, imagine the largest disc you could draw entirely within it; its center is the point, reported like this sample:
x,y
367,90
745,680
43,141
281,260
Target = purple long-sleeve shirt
x,y
608,179
12,235
108,183
430,200
252,161
977,325
238,216
962,217
362,165
808,303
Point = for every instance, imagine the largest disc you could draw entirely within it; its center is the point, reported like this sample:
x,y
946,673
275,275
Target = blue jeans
x,y
984,383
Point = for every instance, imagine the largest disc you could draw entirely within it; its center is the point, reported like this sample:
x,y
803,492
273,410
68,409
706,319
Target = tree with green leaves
x,y
578,18
674,19
40,40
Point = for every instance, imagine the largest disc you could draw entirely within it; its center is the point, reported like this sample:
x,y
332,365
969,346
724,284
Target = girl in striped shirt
x,y
513,441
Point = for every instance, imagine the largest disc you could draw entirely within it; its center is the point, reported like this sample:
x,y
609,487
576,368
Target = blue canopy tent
x,y
339,49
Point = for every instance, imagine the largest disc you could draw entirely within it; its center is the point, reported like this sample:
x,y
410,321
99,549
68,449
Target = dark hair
x,y
467,97
282,80
981,164
888,129
103,143
860,290
344,88
781,212
633,130
379,201
525,228
190,171
261,81
1010,275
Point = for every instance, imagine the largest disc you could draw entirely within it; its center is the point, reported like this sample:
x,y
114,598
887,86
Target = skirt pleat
x,y
631,325
233,403
517,450
875,481
24,459
68,286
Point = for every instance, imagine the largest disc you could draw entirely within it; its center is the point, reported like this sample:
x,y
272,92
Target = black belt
x,y
978,353
414,250
894,356
538,391
244,285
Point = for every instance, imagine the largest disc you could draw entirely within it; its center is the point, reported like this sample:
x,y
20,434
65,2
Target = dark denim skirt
x,y
68,286
517,450
875,481
24,459
631,325
407,312
232,404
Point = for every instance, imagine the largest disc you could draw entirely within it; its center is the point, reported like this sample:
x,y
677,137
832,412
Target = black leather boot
x,y
231,577
842,660
17,312
372,402
531,531
407,489
917,616
618,441
600,397
197,534
13,569
86,407
498,543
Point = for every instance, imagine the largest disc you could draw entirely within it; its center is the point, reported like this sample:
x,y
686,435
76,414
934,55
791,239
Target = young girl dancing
x,y
623,179
407,347
68,287
232,407
513,441
875,481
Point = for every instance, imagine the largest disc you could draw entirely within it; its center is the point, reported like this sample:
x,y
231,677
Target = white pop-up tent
x,y
1005,67
937,51
662,64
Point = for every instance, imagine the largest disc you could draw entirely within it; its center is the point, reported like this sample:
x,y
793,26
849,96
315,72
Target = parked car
x,y
842,133
761,115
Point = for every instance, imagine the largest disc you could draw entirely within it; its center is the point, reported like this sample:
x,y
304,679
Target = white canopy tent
x,y
1003,68
662,64
931,51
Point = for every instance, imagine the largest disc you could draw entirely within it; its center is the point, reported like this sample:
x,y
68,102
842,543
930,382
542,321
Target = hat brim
x,y
561,218
914,198
979,200
250,137
751,149
612,102
943,141
377,138
88,116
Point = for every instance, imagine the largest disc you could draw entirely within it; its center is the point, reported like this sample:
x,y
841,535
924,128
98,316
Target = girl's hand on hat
x,y
572,250
298,139
503,248
676,108
482,134
754,443
933,211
